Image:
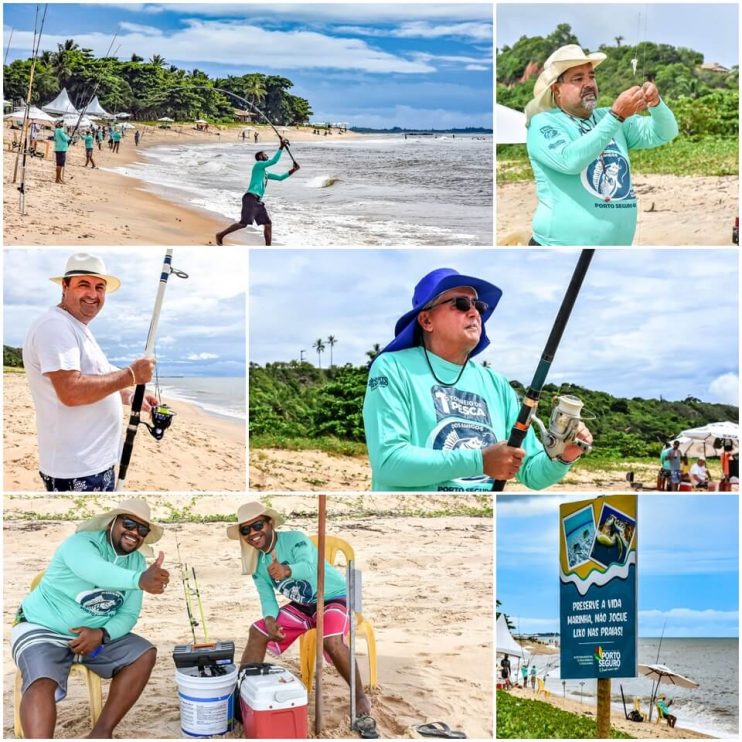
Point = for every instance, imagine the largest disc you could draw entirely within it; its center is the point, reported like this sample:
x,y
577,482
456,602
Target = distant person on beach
x,y
533,677
699,475
83,610
664,479
77,393
664,707
61,145
100,136
89,144
505,671
137,135
524,674
437,420
674,458
253,208
257,137
286,562
33,137
580,153
116,137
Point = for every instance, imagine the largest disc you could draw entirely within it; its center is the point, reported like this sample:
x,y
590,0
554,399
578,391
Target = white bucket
x,y
206,704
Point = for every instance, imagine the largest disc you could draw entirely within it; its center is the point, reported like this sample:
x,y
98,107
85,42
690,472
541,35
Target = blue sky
x,y
426,65
688,563
709,28
648,323
202,324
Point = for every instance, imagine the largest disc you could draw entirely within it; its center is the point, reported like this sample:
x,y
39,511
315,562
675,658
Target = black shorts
x,y
61,158
253,210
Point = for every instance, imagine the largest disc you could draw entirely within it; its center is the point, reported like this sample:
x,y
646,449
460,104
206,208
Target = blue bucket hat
x,y
431,286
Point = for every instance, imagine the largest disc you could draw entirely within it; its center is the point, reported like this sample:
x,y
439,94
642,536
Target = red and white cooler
x,y
274,706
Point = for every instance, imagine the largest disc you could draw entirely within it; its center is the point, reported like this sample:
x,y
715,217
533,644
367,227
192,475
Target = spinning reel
x,y
162,416
565,418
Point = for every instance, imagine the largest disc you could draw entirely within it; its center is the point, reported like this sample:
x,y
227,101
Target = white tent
x,y
165,118
60,105
34,114
510,125
122,115
505,642
94,108
71,121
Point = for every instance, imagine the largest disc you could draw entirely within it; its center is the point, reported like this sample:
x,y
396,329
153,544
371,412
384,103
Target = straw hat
x,y
563,59
246,512
83,264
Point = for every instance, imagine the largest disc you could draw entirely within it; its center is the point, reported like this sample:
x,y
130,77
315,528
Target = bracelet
x,y
616,115
133,377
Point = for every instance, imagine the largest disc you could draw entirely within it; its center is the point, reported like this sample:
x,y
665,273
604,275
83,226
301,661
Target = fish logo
x,y
598,654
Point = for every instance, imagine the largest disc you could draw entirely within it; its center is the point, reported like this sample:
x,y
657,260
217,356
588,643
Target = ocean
x,y
712,708
222,397
377,191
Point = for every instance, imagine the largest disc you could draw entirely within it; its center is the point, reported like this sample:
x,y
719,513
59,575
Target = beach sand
x,y
673,210
434,643
639,730
98,207
198,453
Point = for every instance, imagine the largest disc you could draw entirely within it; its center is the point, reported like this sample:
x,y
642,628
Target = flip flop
x,y
366,727
439,729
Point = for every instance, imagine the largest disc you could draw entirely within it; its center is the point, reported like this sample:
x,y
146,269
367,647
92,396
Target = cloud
x,y
725,389
138,28
427,30
476,68
201,356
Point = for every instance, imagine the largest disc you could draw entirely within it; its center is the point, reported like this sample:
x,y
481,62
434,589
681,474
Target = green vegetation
x,y
12,357
520,718
150,90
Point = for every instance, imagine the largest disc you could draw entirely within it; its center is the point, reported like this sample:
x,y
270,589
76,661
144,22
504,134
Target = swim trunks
x,y
253,210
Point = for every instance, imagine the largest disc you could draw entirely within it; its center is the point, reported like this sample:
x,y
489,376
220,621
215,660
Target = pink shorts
x,y
295,623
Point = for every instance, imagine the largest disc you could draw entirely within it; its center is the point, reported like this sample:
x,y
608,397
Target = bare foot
x,y
363,705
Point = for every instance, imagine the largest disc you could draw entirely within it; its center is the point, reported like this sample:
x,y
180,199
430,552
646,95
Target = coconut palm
x,y
331,340
319,346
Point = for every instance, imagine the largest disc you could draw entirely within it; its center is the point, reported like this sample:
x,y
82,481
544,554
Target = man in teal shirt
x,y
61,145
83,610
253,208
580,153
437,421
89,144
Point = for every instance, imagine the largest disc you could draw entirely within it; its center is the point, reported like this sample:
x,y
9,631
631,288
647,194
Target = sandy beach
x,y
200,452
434,644
639,730
673,210
99,207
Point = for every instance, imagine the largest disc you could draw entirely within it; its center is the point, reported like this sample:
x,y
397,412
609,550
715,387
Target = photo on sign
x,y
614,536
579,534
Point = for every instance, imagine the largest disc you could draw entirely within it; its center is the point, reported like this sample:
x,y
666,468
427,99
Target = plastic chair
x,y
91,680
541,688
334,546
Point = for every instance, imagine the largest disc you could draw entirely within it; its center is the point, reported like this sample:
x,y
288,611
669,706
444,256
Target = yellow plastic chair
x,y
335,546
541,688
91,680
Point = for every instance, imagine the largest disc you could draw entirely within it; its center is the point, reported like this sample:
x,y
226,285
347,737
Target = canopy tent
x,y
505,642
80,122
122,115
60,105
34,114
94,108
510,125
700,441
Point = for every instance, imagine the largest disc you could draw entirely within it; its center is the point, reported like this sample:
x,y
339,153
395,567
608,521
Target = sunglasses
x,y
132,525
247,527
464,304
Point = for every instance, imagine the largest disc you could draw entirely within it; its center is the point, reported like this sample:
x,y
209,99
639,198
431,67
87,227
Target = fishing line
x,y
7,50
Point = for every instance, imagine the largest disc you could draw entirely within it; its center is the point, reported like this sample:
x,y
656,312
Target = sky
x,y
647,323
711,29
688,563
375,65
202,323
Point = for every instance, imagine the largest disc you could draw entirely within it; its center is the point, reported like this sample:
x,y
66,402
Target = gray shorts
x,y
42,653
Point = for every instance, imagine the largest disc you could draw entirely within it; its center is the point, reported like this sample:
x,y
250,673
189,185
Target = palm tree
x,y
618,39
319,346
331,340
157,61
254,88
61,61
375,350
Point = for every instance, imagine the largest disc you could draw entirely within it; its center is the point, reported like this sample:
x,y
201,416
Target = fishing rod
x,y
161,415
7,50
184,579
200,605
527,412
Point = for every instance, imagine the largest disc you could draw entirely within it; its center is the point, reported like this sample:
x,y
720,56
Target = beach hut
x,y
510,125
60,105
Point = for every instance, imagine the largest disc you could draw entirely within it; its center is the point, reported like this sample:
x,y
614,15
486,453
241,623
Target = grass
x,y
327,444
14,370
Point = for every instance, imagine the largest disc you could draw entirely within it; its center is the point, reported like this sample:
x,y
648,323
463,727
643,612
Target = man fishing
x,y
83,610
580,153
436,420
77,393
253,208
286,562
61,145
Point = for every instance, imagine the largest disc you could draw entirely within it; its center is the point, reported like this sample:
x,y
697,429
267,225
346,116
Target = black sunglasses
x,y
464,304
132,525
247,527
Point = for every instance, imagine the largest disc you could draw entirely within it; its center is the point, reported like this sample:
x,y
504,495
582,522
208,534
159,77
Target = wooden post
x,y
603,715
320,614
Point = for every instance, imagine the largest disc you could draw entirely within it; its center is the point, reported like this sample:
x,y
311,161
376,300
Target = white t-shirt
x,y
73,441
700,472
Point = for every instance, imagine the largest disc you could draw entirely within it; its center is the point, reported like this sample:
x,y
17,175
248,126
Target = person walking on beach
x,y
89,143
674,459
505,672
286,562
116,138
437,420
61,145
83,610
533,677
77,393
100,136
580,153
136,138
524,675
33,137
253,208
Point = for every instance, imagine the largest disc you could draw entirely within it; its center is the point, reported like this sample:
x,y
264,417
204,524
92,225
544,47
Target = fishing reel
x,y
563,424
162,416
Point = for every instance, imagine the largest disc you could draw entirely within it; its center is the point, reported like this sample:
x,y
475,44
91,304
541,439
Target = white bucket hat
x,y
246,512
563,59
83,264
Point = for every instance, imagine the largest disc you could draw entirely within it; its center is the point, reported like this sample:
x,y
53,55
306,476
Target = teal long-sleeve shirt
x,y
300,554
61,140
425,436
583,173
83,587
259,177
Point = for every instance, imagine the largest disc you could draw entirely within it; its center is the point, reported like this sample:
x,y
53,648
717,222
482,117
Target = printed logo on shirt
x,y
452,435
100,602
609,177
298,591
549,132
449,402
377,381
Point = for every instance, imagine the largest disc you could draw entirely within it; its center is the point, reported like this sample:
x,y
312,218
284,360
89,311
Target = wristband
x,y
616,115
133,377
106,637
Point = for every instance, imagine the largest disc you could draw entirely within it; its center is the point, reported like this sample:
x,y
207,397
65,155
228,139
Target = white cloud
x,y
427,30
725,388
201,356
476,68
139,28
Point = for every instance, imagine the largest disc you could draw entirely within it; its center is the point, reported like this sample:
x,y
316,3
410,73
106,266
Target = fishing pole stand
x,y
563,424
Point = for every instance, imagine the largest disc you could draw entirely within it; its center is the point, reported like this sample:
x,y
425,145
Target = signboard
x,y
597,589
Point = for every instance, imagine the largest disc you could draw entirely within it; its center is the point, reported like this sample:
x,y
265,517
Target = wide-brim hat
x,y
564,58
246,512
84,264
431,286
133,506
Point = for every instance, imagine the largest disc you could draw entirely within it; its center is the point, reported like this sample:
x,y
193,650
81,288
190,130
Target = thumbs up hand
x,y
277,570
155,579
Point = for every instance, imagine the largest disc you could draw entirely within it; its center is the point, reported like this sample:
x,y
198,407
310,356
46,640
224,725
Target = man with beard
x,y
580,153
83,610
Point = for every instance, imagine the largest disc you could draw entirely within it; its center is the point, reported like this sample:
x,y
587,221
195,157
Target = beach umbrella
x,y
199,121
165,118
663,674
124,116
34,114
510,125
700,441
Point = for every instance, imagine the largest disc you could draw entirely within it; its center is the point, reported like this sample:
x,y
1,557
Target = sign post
x,y
597,594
